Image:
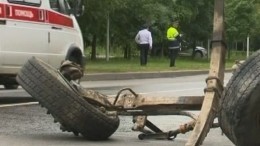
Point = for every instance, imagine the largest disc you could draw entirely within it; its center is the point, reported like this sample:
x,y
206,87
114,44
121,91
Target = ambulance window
x,y
66,7
68,4
55,5
26,2
33,1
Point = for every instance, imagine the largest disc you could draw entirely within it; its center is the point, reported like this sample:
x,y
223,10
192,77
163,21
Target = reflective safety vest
x,y
172,33
173,43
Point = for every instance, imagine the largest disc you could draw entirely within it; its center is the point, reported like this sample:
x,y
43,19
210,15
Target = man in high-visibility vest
x,y
174,41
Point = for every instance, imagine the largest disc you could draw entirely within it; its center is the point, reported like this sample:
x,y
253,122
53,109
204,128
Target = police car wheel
x,y
239,115
198,55
68,108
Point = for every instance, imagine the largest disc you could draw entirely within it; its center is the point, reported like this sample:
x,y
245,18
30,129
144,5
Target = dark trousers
x,y
173,55
144,48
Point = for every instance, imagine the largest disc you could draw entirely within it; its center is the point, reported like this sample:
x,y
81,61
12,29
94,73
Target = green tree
x,y
240,19
255,31
127,16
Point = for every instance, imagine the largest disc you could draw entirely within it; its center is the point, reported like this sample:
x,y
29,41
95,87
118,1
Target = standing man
x,y
145,43
174,40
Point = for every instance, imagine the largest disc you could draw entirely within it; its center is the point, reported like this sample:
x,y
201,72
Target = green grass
x,y
153,65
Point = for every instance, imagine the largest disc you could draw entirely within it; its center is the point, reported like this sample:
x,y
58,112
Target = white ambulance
x,y
46,29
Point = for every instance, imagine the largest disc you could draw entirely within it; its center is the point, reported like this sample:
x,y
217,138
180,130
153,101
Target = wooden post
x,y
215,80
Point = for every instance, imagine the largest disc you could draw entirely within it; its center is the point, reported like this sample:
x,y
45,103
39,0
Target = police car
x,y
199,52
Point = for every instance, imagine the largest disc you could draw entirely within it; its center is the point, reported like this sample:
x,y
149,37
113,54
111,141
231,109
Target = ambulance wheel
x,y
76,56
239,114
67,107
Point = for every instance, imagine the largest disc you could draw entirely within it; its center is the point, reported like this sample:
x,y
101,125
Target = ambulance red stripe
x,y
56,18
25,13
2,12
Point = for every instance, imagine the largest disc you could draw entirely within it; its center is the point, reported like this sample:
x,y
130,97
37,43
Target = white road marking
x,y
12,91
19,104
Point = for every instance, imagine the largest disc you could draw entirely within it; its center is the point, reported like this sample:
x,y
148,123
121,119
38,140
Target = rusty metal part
x,y
71,70
153,127
217,66
162,135
143,105
170,135
122,90
135,104
237,64
187,127
217,88
96,98
139,123
93,97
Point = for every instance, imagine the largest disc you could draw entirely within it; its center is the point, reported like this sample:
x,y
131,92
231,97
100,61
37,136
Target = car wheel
x,y
198,55
65,104
239,115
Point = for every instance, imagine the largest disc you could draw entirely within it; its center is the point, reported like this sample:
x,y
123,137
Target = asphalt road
x,y
30,125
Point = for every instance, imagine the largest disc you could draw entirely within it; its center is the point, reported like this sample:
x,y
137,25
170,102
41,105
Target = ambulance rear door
x,y
2,25
25,33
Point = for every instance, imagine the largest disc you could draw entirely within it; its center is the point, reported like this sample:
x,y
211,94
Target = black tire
x,y
239,114
198,55
74,113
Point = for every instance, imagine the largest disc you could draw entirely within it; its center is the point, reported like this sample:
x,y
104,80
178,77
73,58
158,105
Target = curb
x,y
143,75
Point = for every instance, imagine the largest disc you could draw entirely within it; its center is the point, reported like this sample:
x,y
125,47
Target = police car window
x,y
26,2
55,5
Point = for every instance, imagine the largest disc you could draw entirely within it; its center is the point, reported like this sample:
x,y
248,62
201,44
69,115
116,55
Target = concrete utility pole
x,y
247,46
208,49
108,37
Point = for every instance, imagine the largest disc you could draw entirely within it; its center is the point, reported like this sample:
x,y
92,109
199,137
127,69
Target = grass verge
x,y
154,65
